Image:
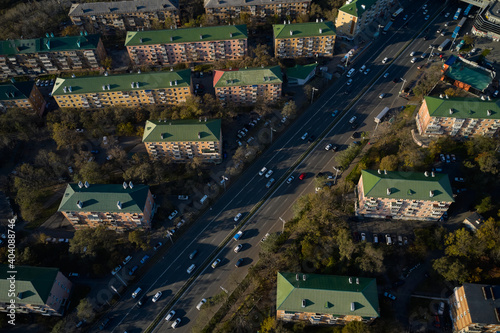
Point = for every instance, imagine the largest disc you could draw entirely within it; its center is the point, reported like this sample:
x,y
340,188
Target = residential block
x,y
326,299
312,39
487,22
174,46
246,86
458,117
50,54
128,90
475,308
403,195
22,95
114,206
225,10
40,290
182,140
356,15
124,15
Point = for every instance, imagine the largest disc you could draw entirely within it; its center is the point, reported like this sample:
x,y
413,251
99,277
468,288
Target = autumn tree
x,y
289,110
389,163
85,310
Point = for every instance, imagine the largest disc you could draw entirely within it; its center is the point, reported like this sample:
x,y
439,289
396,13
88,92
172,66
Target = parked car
x,y
144,259
238,248
262,171
176,323
237,217
239,262
173,215
290,179
156,297
215,263
385,60
389,295
103,324
170,315
302,176
270,183
328,146
157,246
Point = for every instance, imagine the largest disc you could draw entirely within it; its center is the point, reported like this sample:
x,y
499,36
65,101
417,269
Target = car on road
x,y
203,301
302,176
413,60
132,270
459,179
382,95
215,263
270,183
116,270
355,135
447,15
262,171
142,301
238,248
363,237
193,254
328,146
334,113
447,24
237,217
157,296
375,238
173,215
349,82
405,18
290,179
427,17
389,295
170,315
366,71
176,323
386,75
453,158
269,173
103,324
304,136
385,60
425,12
362,68
144,259
239,262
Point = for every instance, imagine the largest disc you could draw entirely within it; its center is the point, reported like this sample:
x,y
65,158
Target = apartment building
x,y
117,207
129,90
247,86
475,308
312,39
124,15
403,195
50,54
40,290
356,15
225,10
487,22
182,140
22,95
174,46
458,117
467,75
326,299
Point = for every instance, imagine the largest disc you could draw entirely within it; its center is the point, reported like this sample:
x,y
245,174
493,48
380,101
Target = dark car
x,y
355,135
95,151
354,125
104,323
239,262
396,80
142,301
334,148
311,138
398,283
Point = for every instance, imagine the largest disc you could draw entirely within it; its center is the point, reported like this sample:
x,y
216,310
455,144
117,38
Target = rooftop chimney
x,y
140,40
79,204
353,306
69,88
119,204
388,191
65,89
426,174
130,184
379,171
132,85
303,303
303,277
103,87
124,185
451,111
137,84
357,280
87,185
201,36
350,280
320,31
171,38
291,32
199,135
488,112
80,184
297,277
385,172
432,174
431,193
109,87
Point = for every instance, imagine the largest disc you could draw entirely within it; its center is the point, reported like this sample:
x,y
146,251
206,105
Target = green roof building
x,y
182,140
39,290
326,299
403,195
22,95
309,39
173,46
50,54
115,206
458,116
299,75
244,86
354,16
165,87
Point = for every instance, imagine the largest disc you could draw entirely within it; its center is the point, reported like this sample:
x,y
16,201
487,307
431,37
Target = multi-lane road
x,y
169,275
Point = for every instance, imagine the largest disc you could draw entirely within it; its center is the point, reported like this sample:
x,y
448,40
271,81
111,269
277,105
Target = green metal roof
x,y
355,8
104,198
407,185
463,107
182,130
477,77
300,30
190,35
16,90
330,294
122,82
53,44
248,77
300,72
35,284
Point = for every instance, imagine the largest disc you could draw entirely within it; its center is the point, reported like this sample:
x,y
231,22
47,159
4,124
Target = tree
x,y
355,327
485,205
64,136
451,269
389,163
92,173
126,129
270,244
85,310
70,30
267,325
289,110
371,261
462,243
345,244
107,62
487,162
138,238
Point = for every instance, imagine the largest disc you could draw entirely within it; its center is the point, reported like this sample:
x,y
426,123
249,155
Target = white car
x,y
176,323
262,171
237,248
173,215
156,296
349,82
385,60
328,146
413,60
362,68
382,95
290,179
170,315
283,120
215,263
269,173
203,301
237,217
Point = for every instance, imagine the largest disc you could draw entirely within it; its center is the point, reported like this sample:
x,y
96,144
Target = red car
x,y
302,176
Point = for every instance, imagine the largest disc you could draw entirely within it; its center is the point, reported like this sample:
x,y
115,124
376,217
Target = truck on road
x,y
443,45
381,115
238,235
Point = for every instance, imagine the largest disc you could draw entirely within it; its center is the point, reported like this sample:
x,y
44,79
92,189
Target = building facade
x,y
182,140
224,10
312,39
247,86
124,15
128,90
475,308
403,195
114,206
326,299
356,15
40,290
22,95
174,46
458,117
50,54
487,22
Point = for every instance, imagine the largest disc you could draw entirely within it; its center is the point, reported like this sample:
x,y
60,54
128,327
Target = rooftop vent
x,y
132,84
79,204
433,174
431,193
65,89
320,31
350,280
303,303
109,87
231,35
388,191
353,306
78,43
317,20
426,174
140,40
446,96
70,89
385,172
86,184
171,38
357,280
201,36
124,185
199,135
130,184
119,204
488,112
297,277
291,32
103,87
379,171
175,82
304,277
451,111
170,83
80,184
137,84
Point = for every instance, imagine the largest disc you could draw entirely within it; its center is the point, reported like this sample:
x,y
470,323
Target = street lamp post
x,y
273,130
402,86
224,179
312,97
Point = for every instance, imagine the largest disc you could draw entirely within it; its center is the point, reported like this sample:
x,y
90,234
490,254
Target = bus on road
x,y
396,13
457,14
387,27
467,10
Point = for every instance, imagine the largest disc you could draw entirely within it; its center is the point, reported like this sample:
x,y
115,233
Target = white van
x,y
127,260
136,292
205,197
351,72
191,269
